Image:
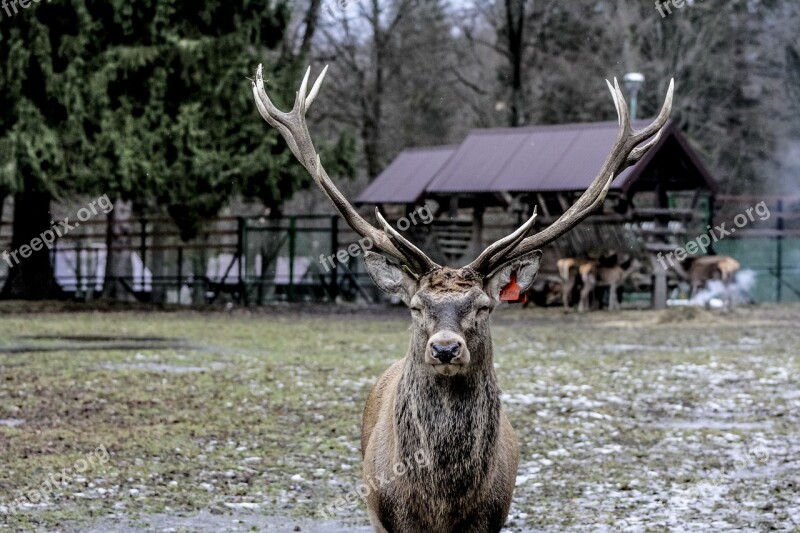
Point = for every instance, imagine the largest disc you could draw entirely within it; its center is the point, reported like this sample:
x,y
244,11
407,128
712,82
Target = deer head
x,y
450,307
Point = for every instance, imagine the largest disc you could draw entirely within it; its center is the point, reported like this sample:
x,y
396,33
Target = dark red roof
x,y
405,180
563,157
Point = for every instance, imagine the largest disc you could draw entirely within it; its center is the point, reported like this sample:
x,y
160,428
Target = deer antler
x,y
293,128
625,152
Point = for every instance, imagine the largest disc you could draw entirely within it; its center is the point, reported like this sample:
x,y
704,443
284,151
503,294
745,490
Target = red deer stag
x,y
442,398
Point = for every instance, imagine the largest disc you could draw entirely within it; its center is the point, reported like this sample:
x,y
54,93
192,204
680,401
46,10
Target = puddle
x,y
710,424
206,521
98,338
160,367
11,422
60,343
624,348
791,395
759,472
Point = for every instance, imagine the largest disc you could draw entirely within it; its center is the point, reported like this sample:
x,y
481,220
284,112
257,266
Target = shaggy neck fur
x,y
455,420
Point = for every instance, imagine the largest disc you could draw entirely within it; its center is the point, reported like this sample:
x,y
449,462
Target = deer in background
x,y
569,272
593,273
442,398
698,271
545,291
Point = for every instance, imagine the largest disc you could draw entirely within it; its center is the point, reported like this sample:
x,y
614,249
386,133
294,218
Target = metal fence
x,y
255,260
251,260
770,248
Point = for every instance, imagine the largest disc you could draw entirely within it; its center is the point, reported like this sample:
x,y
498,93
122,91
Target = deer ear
x,y
389,277
525,267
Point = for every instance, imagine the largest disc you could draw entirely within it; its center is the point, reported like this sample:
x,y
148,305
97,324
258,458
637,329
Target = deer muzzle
x,y
447,352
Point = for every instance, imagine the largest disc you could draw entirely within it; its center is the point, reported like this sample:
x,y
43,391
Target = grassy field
x,y
181,421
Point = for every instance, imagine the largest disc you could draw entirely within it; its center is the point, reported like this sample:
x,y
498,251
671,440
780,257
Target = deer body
x,y
569,271
442,399
594,273
457,422
703,269
700,270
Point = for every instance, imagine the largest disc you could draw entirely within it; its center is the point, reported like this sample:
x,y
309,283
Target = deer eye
x,y
483,310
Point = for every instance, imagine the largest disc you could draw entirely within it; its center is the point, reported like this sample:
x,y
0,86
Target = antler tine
x,y
315,88
623,117
300,97
661,119
484,262
625,152
293,128
616,102
421,262
639,151
274,116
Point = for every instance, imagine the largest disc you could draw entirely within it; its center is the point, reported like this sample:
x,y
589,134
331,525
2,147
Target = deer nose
x,y
446,353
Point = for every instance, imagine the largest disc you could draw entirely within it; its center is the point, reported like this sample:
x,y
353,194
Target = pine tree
x,y
145,101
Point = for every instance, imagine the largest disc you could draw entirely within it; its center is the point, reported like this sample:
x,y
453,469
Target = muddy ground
x,y
130,420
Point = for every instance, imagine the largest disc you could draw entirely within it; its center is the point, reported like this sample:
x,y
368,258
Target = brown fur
x,y
569,271
699,270
709,267
545,292
593,273
448,280
456,420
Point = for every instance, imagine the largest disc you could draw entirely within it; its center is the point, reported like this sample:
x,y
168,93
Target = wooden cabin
x,y
484,187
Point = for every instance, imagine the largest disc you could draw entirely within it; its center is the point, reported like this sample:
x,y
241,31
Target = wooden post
x,y
143,250
476,246
659,284
334,290
779,254
241,254
292,244
180,272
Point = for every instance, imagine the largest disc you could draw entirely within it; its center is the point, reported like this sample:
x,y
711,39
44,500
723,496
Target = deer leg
x,y
613,303
566,293
729,294
586,293
376,523
695,289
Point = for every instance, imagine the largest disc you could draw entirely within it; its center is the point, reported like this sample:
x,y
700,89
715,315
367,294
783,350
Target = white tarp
x,y
89,264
